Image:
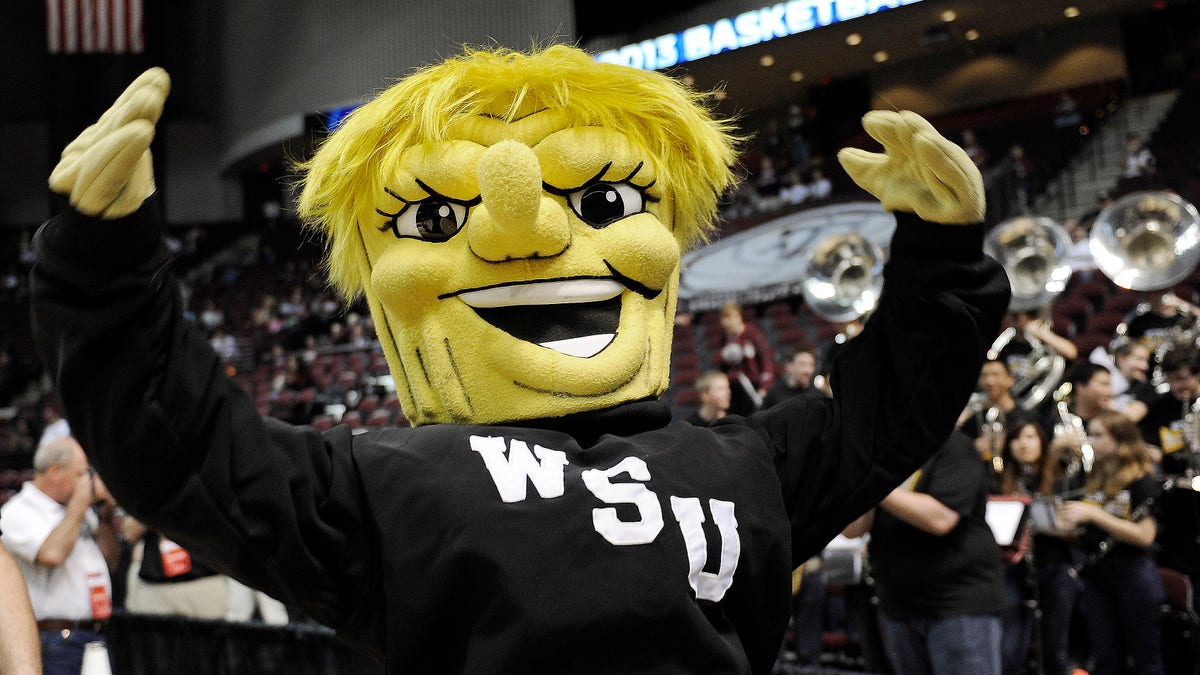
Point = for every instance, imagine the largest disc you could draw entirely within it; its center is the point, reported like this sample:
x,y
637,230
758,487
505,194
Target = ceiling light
x,y
949,16
766,61
1070,11
971,34
880,56
853,39
796,76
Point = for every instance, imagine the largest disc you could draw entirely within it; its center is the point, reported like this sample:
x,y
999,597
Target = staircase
x,y
1099,163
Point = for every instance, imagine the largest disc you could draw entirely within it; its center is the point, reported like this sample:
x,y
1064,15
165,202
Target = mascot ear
x,y
919,171
106,171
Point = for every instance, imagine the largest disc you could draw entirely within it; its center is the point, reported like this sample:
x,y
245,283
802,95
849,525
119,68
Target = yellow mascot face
x,y
514,228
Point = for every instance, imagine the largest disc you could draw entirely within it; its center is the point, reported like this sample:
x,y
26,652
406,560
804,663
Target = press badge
x,y
175,559
98,591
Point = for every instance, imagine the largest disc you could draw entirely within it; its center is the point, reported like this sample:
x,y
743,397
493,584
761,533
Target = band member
x,y
1122,592
987,418
1165,422
1039,576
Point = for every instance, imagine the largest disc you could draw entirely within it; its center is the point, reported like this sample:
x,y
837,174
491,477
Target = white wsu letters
x,y
513,473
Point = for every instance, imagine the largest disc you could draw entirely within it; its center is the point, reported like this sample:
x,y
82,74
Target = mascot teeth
x,y
583,347
544,293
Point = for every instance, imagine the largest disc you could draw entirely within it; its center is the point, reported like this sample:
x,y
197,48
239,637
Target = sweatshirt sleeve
x,y
180,445
898,387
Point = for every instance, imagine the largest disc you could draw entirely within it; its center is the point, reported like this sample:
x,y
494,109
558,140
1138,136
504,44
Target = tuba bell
x,y
843,277
1033,251
1146,241
1150,241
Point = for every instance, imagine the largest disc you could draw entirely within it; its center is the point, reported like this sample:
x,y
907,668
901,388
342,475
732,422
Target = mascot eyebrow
x,y
599,178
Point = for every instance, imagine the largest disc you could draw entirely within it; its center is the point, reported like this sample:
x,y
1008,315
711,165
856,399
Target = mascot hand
x,y
919,171
106,171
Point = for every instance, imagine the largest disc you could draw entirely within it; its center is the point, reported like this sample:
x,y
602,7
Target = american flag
x,y
95,26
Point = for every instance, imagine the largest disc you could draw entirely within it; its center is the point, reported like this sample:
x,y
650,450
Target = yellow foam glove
x,y
919,171
106,171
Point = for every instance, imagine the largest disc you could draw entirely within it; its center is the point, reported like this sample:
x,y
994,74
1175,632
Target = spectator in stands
x,y
1079,255
19,648
937,568
794,191
799,367
714,392
211,317
18,438
1018,179
819,187
1122,592
1066,114
223,343
65,551
795,130
746,357
766,184
1140,164
977,153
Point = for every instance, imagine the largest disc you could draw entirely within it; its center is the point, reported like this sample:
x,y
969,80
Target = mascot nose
x,y
514,219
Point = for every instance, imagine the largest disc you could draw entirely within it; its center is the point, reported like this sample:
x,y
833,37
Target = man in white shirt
x,y
57,539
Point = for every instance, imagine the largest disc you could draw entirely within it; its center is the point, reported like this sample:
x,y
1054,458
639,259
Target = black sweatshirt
x,y
607,542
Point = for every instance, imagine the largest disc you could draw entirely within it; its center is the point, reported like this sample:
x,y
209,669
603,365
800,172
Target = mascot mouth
x,y
576,317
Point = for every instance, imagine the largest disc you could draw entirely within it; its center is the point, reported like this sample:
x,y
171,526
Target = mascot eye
x,y
432,219
601,204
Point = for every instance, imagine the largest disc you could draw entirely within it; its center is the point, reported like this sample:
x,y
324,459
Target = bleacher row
x,y
348,388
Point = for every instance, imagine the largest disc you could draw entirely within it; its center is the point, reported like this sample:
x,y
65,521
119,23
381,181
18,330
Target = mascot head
x,y
515,222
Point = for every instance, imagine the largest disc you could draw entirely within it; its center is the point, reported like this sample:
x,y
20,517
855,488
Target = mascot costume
x,y
515,222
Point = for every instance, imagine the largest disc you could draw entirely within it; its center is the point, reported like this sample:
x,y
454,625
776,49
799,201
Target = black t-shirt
x,y
1163,426
921,575
1151,327
1134,502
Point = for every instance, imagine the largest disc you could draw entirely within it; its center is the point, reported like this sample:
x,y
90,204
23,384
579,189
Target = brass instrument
x,y
1070,423
843,277
1033,252
1149,241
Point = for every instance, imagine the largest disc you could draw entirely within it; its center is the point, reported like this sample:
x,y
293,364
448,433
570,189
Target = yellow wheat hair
x,y
691,148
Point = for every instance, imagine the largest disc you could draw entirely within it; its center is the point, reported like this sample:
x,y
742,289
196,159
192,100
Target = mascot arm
x,y
106,171
179,444
919,171
897,388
